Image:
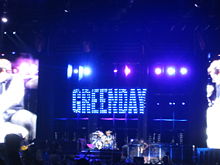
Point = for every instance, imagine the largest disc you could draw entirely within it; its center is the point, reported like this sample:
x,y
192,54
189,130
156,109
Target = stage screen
x,y
18,96
213,111
109,101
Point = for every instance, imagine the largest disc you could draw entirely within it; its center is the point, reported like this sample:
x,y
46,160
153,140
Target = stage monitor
x,y
109,101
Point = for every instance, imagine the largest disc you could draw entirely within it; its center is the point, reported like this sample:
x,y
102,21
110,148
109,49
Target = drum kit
x,y
99,140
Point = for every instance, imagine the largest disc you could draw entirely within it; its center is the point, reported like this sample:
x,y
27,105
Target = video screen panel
x,y
213,110
109,101
18,96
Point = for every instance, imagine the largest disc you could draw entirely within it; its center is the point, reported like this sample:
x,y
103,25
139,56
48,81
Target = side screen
x,y
18,96
213,111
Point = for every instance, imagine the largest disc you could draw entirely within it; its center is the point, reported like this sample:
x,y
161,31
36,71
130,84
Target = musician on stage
x,y
109,140
97,140
143,146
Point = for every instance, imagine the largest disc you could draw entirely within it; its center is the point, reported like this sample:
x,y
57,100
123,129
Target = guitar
x,y
25,147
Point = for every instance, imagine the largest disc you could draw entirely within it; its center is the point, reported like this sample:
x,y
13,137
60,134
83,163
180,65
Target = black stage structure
x,y
165,126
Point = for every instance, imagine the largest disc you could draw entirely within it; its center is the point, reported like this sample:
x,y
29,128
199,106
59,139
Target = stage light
x,y
183,103
14,33
27,68
5,32
196,5
171,71
127,70
81,72
170,103
115,70
13,52
183,70
69,71
4,19
87,71
158,103
157,71
76,71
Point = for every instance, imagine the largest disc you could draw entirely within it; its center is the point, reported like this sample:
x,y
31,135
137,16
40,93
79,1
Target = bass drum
x,y
98,144
96,140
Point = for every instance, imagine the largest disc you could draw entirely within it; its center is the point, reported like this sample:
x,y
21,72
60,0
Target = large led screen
x,y
213,111
18,96
109,101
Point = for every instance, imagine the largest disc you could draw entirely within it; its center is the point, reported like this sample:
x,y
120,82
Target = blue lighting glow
x,y
87,71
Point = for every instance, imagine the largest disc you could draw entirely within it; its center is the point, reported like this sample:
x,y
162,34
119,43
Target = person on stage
x,y
109,141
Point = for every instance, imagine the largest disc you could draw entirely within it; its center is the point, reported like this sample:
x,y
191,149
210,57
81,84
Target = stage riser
x,y
207,156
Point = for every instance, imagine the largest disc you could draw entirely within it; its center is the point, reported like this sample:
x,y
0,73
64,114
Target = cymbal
x,y
95,133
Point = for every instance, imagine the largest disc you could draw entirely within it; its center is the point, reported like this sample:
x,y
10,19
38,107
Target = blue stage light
x,y
183,71
171,71
69,71
87,71
76,71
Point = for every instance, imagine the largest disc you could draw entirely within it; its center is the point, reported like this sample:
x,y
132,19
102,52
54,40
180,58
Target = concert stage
x,y
155,154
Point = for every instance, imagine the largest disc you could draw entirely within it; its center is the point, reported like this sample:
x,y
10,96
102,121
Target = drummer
x,y
109,140
97,140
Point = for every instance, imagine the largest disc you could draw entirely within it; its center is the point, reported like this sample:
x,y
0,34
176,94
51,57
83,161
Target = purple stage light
x,y
171,71
157,71
127,70
183,70
27,67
